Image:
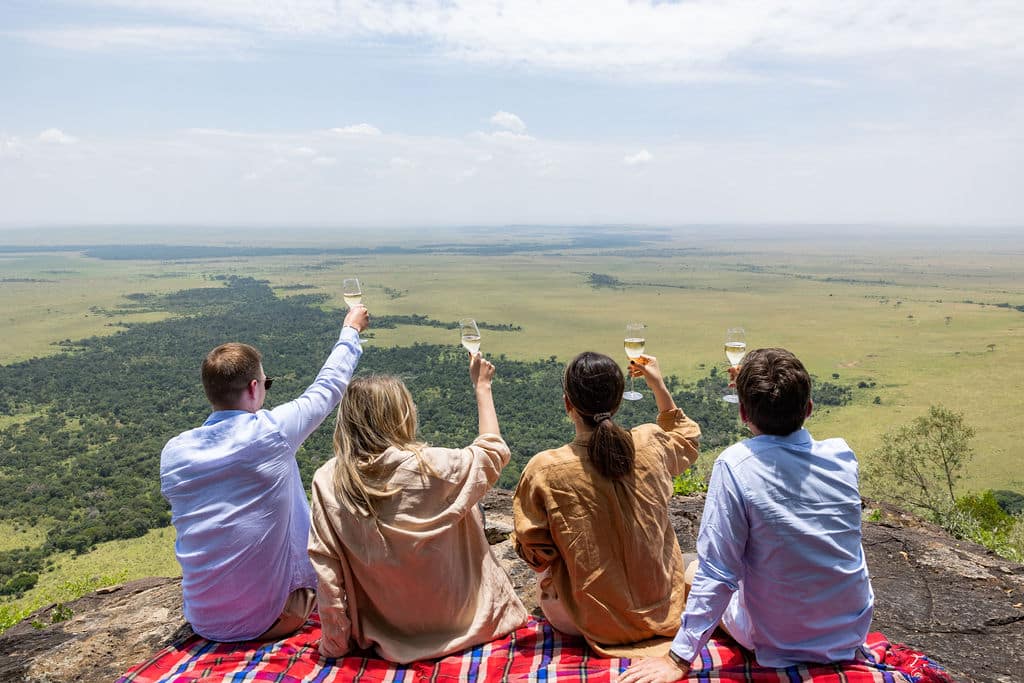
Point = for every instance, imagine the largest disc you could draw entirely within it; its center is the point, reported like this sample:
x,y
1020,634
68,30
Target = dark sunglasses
x,y
267,382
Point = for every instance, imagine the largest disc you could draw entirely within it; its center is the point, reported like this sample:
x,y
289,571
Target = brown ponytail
x,y
593,385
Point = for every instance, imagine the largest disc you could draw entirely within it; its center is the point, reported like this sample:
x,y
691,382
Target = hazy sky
x,y
572,111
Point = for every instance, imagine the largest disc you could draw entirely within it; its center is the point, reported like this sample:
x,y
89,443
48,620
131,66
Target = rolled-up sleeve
x,y
682,440
473,471
325,552
720,545
532,538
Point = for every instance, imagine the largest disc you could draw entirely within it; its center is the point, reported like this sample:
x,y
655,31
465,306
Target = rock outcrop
x,y
954,600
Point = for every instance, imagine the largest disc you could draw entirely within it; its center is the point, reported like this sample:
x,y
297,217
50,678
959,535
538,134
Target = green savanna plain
x,y
921,318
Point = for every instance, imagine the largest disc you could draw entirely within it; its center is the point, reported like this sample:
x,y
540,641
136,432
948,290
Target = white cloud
x,y
324,161
962,177
503,137
57,136
159,39
509,121
10,146
357,129
693,40
641,157
402,162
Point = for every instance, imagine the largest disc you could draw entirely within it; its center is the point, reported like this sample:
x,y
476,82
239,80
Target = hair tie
x,y
601,417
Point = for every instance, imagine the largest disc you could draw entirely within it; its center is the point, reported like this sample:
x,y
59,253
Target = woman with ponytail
x,y
397,539
591,517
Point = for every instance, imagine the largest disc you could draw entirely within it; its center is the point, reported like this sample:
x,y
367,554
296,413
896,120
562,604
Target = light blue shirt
x,y
239,507
780,556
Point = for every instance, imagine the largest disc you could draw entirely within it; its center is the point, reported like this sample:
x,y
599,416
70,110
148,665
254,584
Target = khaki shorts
x,y
297,608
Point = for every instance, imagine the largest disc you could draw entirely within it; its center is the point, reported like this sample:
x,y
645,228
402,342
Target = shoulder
x,y
551,459
835,449
646,431
325,473
551,466
735,455
836,444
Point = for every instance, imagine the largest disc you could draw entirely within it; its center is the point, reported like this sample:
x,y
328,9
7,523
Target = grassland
x,y
878,309
110,563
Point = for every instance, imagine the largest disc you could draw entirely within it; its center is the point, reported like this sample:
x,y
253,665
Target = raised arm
x,y
648,368
481,372
299,418
681,434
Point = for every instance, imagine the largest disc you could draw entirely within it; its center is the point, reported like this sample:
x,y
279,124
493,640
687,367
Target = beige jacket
x,y
425,583
614,559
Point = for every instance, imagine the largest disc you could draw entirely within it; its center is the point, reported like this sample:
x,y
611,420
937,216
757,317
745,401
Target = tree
x,y
920,463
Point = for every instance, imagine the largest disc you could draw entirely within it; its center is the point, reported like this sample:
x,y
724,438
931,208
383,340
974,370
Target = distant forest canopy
x,y
94,418
177,252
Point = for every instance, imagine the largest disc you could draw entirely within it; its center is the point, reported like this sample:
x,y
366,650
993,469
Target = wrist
x,y
680,663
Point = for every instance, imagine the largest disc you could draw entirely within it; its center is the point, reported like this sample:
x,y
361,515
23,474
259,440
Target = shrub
x,y
1010,501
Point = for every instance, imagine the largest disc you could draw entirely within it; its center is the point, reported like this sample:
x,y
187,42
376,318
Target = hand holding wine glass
x,y
470,335
634,343
647,367
735,349
357,318
352,291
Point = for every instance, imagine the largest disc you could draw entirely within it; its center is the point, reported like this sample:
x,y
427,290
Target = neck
x,y
582,430
243,408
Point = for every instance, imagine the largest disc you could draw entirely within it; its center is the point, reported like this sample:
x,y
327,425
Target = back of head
x,y
774,390
227,371
593,384
376,413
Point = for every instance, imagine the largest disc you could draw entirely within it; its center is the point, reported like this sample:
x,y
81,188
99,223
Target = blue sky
x,y
566,111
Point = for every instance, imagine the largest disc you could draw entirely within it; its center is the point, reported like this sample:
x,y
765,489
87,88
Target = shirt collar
x,y
797,438
221,415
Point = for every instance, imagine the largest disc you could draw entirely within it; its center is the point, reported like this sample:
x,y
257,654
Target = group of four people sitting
x,y
393,552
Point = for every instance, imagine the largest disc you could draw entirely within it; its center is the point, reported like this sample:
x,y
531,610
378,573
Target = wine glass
x,y
470,335
735,349
352,291
636,339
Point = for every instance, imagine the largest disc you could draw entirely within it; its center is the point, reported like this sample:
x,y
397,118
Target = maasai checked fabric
x,y
535,652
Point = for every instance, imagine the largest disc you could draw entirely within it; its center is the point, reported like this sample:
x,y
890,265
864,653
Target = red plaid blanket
x,y
535,652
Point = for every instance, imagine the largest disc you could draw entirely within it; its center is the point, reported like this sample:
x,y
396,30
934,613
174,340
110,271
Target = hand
x,y
481,370
648,368
357,317
653,670
733,373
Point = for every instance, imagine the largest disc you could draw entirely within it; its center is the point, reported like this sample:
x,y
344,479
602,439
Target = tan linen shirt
x,y
614,559
425,583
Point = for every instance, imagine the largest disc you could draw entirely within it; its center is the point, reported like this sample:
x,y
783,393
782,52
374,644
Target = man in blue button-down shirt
x,y
237,502
780,562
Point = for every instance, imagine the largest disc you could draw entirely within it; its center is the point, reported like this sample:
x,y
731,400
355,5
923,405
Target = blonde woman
x,y
397,540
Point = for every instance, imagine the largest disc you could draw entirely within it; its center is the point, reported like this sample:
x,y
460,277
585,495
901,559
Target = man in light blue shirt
x,y
780,563
237,502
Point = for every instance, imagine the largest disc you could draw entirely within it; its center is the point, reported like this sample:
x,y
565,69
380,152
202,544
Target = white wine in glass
x,y
470,335
735,349
352,291
634,344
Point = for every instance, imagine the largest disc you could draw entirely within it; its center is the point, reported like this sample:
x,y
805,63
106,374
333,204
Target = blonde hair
x,y
376,413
